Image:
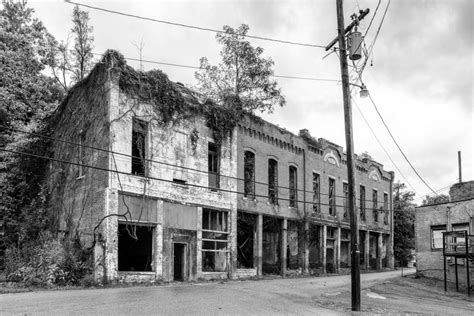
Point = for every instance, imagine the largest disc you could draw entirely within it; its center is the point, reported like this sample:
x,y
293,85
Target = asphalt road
x,y
279,296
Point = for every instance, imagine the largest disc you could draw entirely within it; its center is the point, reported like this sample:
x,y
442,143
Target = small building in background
x,y
430,223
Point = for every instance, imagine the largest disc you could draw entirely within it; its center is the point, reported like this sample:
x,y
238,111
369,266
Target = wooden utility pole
x,y
355,253
459,166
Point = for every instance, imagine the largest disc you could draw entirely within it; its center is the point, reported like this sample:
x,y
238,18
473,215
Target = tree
x,y
404,223
83,43
243,76
441,198
69,66
27,97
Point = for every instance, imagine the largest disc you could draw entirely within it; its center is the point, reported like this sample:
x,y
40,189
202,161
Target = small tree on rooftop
x,y
244,74
83,43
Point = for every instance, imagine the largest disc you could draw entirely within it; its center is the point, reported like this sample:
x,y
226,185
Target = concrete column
x,y
233,242
306,248
379,251
159,241
323,247
199,243
259,244
107,263
367,250
338,249
284,241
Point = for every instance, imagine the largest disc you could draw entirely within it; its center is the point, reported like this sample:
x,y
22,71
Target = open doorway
x,y
179,261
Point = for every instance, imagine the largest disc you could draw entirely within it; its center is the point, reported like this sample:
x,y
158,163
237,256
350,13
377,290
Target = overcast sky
x,y
421,76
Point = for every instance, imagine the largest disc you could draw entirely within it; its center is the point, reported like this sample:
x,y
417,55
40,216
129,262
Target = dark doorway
x,y
245,240
179,262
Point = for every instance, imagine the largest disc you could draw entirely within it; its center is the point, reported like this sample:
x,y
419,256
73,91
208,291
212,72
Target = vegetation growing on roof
x,y
170,105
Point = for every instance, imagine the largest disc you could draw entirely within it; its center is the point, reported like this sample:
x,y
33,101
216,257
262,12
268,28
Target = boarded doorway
x,y
179,262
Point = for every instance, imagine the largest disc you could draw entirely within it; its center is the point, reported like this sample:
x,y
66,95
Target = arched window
x,y
273,181
249,174
293,186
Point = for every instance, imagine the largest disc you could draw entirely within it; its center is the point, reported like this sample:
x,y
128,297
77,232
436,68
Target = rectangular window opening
x,y
135,248
345,189
273,181
179,181
316,193
385,208
139,146
214,240
332,197
249,174
293,186
437,236
362,202
374,205
213,165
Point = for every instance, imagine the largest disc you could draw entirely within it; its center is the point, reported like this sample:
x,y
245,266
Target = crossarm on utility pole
x,y
348,28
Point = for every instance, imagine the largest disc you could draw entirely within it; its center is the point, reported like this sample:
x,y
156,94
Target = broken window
x,y
139,136
332,197
82,155
293,186
437,236
249,174
214,240
316,193
374,205
362,202
135,247
214,165
345,189
273,181
385,208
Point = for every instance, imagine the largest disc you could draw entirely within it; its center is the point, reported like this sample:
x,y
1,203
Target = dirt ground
x,y
407,295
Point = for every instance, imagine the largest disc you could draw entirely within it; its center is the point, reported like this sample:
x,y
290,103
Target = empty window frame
x,y
249,174
213,165
316,193
345,190
332,196
214,240
135,247
293,178
272,181
375,212
139,146
385,208
362,202
437,237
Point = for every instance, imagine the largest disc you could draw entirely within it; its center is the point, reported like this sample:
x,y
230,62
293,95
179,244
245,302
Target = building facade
x,y
430,223
166,199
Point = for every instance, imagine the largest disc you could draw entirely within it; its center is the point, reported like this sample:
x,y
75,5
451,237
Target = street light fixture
x,y
364,93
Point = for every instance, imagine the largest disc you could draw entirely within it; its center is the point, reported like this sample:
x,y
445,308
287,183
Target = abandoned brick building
x,y
432,221
161,198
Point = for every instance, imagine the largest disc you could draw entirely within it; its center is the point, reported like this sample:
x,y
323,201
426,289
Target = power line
x,y
380,143
164,180
197,67
191,26
398,146
371,20
165,163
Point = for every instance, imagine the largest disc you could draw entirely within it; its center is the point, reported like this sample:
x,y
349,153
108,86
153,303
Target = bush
x,y
46,262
